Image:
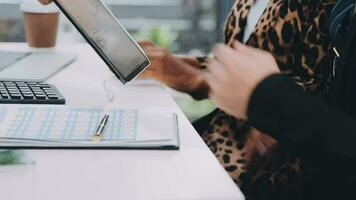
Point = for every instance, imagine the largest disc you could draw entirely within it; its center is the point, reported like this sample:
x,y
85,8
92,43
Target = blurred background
x,y
183,26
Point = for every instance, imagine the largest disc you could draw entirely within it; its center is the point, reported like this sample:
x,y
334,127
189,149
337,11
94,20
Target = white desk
x,y
190,173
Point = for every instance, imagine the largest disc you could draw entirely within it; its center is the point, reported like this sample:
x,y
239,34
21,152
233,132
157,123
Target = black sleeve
x,y
303,121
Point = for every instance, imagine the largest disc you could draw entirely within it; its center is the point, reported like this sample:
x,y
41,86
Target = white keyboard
x,y
35,66
9,58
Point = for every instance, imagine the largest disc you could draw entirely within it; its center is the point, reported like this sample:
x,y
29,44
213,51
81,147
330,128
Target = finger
x,y
224,54
210,79
145,43
242,48
230,58
153,51
207,76
216,69
213,84
252,51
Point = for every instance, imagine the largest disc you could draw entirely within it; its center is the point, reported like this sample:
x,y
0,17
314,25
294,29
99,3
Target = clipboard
x,y
52,127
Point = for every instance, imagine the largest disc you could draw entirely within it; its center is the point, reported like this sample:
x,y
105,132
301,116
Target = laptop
x,y
35,66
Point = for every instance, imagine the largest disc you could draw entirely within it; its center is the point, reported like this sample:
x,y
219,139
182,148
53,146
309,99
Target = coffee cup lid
x,y
33,6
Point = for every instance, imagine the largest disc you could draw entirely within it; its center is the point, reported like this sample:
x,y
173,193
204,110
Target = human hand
x,y
174,71
234,75
45,2
158,57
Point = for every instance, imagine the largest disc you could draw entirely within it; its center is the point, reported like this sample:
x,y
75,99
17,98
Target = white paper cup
x,y
33,6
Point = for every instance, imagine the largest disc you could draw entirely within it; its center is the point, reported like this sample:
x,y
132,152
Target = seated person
x,y
319,128
296,34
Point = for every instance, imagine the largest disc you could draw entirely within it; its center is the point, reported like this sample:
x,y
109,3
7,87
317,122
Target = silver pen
x,y
99,132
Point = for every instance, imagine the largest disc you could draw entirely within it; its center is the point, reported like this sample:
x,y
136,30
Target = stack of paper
x,y
62,127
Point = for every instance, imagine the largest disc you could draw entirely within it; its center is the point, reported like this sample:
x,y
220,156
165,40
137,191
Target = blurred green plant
x,y
10,157
161,36
193,109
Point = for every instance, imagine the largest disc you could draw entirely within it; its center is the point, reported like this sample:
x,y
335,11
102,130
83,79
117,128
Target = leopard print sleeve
x,y
298,39
313,48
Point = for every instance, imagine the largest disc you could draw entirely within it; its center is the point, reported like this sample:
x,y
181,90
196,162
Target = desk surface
x,y
190,173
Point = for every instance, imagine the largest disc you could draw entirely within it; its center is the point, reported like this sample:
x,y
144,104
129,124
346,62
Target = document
x,y
72,126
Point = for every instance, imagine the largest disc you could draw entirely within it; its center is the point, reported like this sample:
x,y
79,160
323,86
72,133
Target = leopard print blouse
x,y
296,33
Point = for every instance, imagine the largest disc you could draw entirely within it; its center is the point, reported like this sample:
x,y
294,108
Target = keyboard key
x,y
34,91
14,92
52,97
15,96
27,93
9,83
28,97
40,96
44,86
39,93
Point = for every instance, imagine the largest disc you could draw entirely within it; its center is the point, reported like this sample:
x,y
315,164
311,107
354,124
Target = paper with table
x,y
69,127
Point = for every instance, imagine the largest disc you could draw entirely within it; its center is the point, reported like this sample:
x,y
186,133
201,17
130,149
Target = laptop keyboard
x,y
9,58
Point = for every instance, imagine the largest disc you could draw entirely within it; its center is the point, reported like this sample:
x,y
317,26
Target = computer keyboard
x,y
23,92
9,58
